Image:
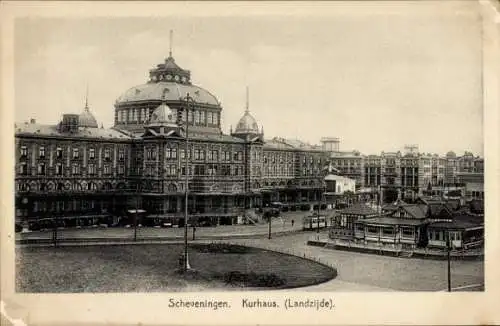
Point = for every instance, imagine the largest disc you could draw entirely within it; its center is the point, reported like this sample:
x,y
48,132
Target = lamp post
x,y
54,234
136,210
187,99
448,248
319,207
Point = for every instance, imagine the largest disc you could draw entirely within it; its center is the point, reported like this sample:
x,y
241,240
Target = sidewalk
x,y
145,233
326,242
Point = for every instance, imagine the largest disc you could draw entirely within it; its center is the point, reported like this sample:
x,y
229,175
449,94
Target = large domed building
x,y
171,84
88,175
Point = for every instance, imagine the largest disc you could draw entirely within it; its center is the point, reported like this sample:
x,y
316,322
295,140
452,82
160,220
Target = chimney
x,y
32,121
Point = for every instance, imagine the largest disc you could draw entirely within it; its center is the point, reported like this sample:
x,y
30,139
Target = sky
x,y
377,75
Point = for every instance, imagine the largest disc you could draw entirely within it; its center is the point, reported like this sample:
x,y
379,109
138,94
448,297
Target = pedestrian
x,y
293,222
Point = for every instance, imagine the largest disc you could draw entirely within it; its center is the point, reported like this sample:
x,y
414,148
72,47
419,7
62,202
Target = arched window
x,y
91,186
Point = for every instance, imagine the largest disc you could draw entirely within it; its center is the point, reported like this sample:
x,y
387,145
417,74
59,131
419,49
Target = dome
x,y
171,91
451,154
162,115
247,125
87,119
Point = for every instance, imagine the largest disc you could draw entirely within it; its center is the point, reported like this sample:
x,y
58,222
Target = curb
x,y
380,252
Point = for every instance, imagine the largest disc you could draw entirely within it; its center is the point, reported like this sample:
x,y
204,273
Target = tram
x,y
313,222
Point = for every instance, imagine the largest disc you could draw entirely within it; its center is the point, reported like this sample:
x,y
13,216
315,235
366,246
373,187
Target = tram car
x,y
313,222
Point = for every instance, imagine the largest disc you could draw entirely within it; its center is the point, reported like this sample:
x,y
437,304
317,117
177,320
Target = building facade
x,y
84,174
412,173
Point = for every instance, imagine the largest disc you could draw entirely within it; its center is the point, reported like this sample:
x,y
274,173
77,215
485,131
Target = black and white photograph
x,y
283,153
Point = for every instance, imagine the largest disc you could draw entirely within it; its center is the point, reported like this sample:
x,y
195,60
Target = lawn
x,y
154,268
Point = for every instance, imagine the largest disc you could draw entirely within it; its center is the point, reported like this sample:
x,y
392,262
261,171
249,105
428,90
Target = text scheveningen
x,y
208,304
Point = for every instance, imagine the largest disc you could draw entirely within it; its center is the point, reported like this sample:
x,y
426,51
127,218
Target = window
x,y
59,153
107,154
91,169
199,154
76,153
210,117
41,152
197,117
199,170
372,229
171,153
24,151
388,231
75,169
41,169
91,153
213,155
23,169
121,155
107,170
121,169
212,169
226,156
407,232
171,170
202,118
59,169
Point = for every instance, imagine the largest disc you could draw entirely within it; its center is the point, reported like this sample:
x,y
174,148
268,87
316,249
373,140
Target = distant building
x,y
413,174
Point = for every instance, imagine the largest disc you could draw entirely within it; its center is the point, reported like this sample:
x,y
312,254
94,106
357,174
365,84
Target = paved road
x,y
282,224
368,272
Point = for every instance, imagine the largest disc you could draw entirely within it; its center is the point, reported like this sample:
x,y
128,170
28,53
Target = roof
x,y
460,220
215,137
282,143
53,131
331,177
87,119
172,91
247,124
162,115
359,209
391,221
394,205
438,210
416,210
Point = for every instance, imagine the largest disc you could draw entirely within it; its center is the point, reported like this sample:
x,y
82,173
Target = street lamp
x,y
322,190
136,210
187,99
55,220
448,249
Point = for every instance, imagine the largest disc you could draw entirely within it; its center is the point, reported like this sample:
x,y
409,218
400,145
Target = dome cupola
x,y
86,118
163,115
247,123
